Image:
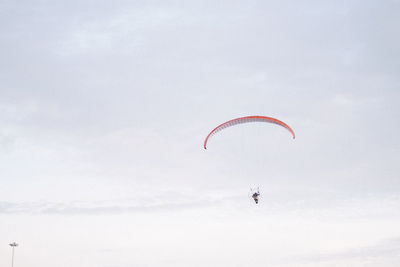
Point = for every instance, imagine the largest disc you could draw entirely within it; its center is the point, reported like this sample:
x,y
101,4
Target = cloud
x,y
341,99
385,249
150,203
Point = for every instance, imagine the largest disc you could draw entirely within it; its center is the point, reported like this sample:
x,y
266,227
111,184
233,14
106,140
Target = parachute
x,y
246,120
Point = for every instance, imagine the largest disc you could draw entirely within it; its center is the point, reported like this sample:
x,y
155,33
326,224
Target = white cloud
x,y
104,107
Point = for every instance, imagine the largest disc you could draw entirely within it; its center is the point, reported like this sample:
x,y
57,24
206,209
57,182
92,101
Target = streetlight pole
x,y
13,245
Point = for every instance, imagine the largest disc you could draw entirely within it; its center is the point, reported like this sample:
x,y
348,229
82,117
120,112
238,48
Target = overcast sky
x,y
104,107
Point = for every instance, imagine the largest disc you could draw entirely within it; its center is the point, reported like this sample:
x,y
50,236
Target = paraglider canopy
x,y
246,120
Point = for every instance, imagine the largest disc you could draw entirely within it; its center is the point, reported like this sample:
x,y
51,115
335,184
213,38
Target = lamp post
x,y
13,245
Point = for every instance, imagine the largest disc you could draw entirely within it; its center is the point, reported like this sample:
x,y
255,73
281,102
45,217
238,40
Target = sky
x,y
104,107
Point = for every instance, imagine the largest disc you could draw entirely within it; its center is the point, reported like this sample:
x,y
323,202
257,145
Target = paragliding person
x,y
255,196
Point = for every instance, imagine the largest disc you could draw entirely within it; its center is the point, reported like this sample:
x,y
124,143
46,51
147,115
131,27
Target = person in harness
x,y
255,196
